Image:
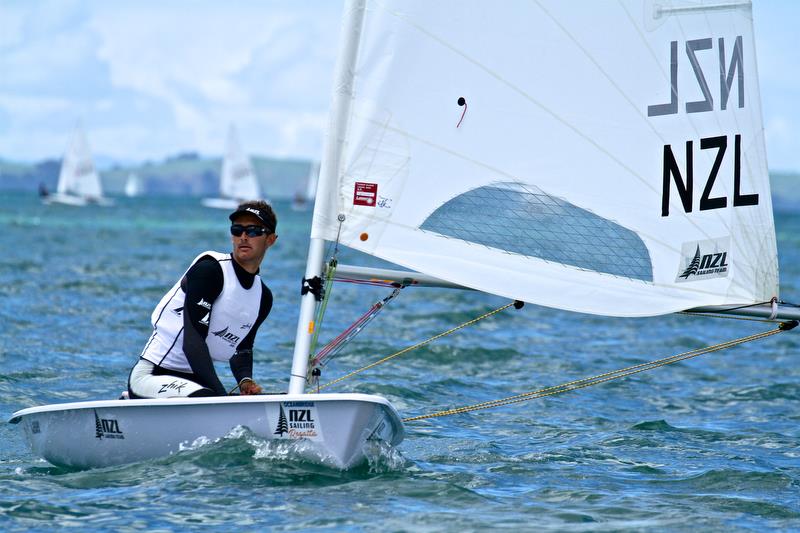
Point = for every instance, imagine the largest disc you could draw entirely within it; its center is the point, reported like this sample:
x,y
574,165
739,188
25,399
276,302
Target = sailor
x,y
211,314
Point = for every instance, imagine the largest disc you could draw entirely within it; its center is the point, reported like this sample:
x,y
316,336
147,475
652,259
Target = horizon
x,y
149,82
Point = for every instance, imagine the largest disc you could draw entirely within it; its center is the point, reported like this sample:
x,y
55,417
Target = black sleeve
x,y
242,361
202,285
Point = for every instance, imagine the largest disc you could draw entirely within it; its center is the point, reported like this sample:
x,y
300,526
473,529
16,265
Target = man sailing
x,y
211,314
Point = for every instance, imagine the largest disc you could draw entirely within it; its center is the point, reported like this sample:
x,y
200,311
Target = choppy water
x,y
709,444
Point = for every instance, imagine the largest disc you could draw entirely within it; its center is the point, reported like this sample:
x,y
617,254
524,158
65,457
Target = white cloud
x,y
150,79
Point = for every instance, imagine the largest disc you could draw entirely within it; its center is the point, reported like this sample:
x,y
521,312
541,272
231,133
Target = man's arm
x,y
242,361
202,285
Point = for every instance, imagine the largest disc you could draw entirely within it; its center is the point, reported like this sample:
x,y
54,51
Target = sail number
x,y
728,71
684,181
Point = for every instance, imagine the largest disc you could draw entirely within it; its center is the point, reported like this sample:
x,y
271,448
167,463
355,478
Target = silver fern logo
x,y
704,260
693,266
283,427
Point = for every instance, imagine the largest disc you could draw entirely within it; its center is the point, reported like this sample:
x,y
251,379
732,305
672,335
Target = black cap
x,y
261,214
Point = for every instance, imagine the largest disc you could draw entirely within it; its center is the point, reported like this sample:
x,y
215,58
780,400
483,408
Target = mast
x,y
340,109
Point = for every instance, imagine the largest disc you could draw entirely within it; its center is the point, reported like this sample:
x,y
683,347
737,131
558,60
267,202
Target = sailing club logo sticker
x,y
365,194
106,428
297,420
704,260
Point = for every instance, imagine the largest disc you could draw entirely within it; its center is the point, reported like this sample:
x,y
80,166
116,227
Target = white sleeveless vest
x,y
229,320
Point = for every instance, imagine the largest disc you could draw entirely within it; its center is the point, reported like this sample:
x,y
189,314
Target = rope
x,y
418,345
602,378
322,306
334,346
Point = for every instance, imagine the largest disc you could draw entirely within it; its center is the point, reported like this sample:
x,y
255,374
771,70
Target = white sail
x,y
238,180
78,176
609,156
133,185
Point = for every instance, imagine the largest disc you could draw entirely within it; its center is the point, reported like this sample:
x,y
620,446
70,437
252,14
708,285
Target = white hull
x,y
221,203
105,433
75,200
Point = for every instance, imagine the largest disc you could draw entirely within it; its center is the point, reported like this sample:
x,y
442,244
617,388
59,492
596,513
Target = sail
x,y
133,185
78,176
600,157
238,180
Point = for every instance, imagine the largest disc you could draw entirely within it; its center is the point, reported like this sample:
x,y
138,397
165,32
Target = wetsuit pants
x,y
150,381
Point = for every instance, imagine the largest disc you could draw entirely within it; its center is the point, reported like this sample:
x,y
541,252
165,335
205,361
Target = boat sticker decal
x,y
106,428
35,427
297,420
365,194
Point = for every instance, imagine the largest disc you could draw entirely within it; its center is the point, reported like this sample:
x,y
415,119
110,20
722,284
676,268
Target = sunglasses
x,y
252,231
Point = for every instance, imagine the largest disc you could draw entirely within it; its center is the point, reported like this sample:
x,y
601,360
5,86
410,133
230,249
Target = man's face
x,y
250,250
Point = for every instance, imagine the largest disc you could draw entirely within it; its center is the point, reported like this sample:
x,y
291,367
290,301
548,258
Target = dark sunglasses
x,y
252,231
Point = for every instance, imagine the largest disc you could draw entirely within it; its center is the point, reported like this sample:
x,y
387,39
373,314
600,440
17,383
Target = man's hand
x,y
248,386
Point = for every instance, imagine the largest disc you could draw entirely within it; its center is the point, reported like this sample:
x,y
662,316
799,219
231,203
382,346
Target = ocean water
x,y
709,444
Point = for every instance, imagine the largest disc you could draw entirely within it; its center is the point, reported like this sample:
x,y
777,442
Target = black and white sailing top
x,y
212,312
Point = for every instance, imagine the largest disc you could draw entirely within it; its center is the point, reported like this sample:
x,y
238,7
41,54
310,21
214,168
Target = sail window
x,y
522,219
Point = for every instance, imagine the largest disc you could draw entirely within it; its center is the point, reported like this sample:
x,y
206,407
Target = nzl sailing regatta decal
x,y
106,428
724,64
365,194
297,420
35,427
704,260
227,336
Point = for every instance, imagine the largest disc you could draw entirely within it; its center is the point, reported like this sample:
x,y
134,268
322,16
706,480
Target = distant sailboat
x,y
78,182
302,199
238,182
133,186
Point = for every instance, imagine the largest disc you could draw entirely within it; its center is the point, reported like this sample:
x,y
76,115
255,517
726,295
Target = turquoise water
x,y
710,444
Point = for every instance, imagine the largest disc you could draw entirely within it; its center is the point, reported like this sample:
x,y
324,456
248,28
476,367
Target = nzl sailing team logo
x,y
106,428
704,260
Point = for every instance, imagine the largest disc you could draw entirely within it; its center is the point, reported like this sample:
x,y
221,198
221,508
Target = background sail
x,y
238,178
609,157
78,175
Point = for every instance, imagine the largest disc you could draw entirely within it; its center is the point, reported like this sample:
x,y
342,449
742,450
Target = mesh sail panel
x,y
522,219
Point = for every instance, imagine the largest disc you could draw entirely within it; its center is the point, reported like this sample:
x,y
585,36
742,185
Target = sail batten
x,y
516,150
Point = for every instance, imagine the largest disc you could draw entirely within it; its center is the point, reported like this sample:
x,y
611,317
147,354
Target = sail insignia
x,y
693,265
522,219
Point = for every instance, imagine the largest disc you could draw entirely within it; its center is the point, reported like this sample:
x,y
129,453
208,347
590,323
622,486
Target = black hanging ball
x,y
461,100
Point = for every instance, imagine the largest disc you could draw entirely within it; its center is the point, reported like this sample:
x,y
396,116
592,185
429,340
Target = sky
x,y
149,79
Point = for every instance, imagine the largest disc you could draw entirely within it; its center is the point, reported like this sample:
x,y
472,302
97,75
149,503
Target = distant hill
x,y
184,174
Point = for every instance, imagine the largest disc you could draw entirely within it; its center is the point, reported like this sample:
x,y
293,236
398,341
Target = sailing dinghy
x,y
512,148
238,182
78,181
